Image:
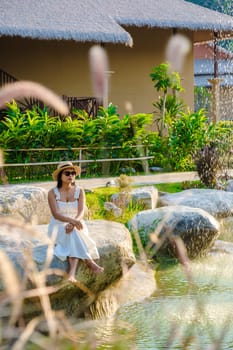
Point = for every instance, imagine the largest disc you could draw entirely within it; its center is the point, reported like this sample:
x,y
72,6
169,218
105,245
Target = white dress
x,y
77,243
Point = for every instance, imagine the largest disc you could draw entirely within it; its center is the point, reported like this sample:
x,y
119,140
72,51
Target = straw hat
x,y
65,165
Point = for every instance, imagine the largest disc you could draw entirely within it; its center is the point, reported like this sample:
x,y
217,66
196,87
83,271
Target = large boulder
x,y
146,197
25,202
229,186
134,286
30,251
197,228
218,203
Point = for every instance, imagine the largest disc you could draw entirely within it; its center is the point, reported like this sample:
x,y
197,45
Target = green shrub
x,y
215,158
105,137
186,136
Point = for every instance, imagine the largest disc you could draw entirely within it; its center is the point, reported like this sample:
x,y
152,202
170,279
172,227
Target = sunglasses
x,y
68,173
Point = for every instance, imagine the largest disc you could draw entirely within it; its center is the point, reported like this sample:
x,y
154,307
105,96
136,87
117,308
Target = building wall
x,y
64,67
206,51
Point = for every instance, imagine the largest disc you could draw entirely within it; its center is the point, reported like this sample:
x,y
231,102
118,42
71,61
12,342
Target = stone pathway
x,y
137,180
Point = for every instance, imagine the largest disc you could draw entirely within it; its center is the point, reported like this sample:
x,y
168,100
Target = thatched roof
x,y
167,14
59,19
102,20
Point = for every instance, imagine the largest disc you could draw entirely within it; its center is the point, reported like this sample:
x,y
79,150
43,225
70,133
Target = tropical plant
x,y
164,79
173,108
106,136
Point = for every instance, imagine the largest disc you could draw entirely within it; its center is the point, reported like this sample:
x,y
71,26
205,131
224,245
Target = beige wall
x,y
131,80
63,66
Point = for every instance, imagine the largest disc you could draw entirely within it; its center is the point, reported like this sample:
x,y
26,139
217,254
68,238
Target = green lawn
x,y
97,198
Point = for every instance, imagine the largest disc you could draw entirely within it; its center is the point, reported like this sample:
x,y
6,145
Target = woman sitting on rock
x,y
67,205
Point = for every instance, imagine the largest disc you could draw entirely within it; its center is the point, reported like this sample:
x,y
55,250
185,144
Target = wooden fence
x,y
46,167
89,104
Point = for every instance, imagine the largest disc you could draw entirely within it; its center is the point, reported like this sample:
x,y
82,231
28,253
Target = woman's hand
x,y
78,225
69,227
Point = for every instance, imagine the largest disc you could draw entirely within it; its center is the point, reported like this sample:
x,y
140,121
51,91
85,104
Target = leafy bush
x,y
208,164
110,136
106,136
215,158
186,136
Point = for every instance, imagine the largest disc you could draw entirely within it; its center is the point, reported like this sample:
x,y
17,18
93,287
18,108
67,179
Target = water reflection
x,y
177,316
196,316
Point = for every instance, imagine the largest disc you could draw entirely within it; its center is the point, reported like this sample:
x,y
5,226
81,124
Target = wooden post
x,y
80,158
215,82
215,54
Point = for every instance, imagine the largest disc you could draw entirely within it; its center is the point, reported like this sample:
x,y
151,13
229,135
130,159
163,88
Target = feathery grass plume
x,y
155,237
173,334
129,107
99,73
17,290
178,244
141,250
218,343
26,334
182,256
14,290
39,279
177,48
21,89
65,330
12,285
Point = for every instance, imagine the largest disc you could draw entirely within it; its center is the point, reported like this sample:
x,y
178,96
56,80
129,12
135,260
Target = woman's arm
x,y
81,205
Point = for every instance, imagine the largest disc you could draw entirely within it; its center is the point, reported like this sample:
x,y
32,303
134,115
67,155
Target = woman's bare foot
x,y
97,269
94,267
72,279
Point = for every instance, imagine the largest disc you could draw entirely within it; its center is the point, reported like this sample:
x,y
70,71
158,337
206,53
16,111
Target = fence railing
x,y
89,104
37,168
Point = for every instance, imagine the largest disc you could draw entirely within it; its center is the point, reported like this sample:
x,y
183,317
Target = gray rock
x,y
135,285
27,202
146,196
197,228
26,246
156,169
111,207
216,202
229,186
111,183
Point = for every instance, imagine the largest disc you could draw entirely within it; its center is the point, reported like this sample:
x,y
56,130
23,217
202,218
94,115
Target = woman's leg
x,y
73,262
94,267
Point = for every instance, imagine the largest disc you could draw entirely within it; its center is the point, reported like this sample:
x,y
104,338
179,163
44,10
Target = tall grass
x,y
52,329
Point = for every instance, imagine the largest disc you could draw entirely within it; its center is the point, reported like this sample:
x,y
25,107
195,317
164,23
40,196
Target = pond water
x,y
185,316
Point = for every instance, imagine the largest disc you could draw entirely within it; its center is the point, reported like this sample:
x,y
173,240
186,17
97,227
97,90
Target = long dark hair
x,y
59,180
